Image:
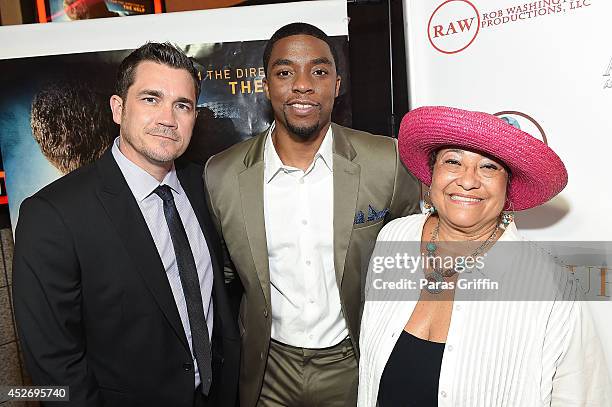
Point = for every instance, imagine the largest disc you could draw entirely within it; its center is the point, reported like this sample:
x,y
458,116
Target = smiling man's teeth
x,y
464,199
301,106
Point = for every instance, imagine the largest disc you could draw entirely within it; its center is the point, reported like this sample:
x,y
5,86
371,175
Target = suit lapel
x,y
122,208
346,189
252,196
192,182
193,185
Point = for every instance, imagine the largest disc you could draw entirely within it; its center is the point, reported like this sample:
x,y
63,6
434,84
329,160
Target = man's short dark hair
x,y
72,124
297,29
161,53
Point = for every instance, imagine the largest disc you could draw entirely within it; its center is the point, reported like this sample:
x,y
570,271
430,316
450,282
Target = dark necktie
x,y
191,287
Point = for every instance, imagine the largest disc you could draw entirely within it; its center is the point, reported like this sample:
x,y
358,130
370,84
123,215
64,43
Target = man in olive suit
x,y
299,207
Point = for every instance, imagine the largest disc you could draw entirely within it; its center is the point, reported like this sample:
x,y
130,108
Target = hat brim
x,y
538,174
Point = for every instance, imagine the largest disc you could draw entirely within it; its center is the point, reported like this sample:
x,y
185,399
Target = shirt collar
x,y
273,163
510,234
141,183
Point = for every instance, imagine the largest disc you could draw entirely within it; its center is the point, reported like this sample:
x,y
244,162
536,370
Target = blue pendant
x,y
435,280
431,247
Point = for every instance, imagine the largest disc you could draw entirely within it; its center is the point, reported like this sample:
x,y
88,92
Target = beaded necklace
x,y
438,274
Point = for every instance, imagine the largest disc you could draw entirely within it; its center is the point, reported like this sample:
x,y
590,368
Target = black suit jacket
x,y
94,308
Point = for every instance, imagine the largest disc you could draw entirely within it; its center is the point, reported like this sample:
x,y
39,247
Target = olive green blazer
x,y
371,187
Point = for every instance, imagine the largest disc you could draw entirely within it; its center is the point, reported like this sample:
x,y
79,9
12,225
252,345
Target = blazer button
x,y
265,312
261,355
187,367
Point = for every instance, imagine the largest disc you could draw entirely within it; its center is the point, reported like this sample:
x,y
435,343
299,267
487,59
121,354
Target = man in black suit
x,y
118,271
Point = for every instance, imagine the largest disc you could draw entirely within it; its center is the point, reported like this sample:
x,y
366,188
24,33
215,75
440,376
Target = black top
x,y
411,376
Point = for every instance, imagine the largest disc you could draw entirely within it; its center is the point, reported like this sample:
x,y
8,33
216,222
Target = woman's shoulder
x,y
524,248
404,228
536,266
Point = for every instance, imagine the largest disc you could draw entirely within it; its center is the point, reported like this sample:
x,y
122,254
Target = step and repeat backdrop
x,y
548,65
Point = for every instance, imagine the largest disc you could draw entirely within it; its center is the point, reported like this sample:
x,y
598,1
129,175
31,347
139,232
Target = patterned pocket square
x,y
359,218
373,215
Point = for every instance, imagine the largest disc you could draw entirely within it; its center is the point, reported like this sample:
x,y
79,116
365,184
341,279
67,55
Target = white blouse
x,y
497,353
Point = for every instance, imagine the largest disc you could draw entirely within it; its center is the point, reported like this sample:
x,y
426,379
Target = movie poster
x,y
70,10
55,114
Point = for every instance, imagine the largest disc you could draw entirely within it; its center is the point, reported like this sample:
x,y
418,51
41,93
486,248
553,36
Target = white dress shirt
x,y
142,185
497,353
298,211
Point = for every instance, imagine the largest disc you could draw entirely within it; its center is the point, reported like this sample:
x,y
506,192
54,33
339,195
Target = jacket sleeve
x,y
47,299
406,191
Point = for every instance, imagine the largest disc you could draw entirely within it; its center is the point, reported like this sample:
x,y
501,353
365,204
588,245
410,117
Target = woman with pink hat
x,y
438,350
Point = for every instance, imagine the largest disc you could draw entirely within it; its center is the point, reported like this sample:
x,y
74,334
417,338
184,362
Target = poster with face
x,y
55,111
71,10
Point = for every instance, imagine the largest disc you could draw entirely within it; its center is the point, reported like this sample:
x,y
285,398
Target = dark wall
x,y
379,93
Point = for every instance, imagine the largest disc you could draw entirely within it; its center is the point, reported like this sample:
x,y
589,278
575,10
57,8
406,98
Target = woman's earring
x,y
507,217
426,205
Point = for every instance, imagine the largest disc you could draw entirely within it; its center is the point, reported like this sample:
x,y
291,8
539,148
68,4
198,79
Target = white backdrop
x,y
550,60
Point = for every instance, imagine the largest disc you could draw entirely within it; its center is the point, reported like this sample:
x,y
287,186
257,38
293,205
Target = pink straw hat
x,y
538,174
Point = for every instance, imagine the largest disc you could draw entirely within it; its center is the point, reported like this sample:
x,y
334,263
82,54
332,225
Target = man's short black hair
x,y
161,53
72,124
297,29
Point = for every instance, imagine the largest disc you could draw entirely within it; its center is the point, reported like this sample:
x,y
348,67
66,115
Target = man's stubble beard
x,y
303,133
151,154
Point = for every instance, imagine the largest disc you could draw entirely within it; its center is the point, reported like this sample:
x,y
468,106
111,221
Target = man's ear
x,y
338,82
265,86
116,105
